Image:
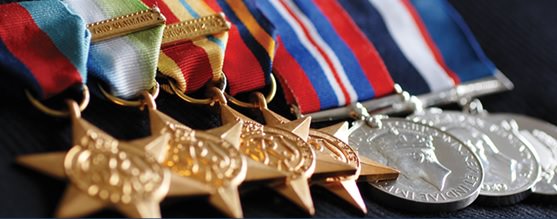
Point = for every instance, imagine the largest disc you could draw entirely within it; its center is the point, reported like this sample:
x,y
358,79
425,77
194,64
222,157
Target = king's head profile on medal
x,y
501,167
424,165
509,162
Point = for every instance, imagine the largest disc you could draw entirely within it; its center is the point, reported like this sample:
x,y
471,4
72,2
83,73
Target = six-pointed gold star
x,y
104,172
342,184
210,157
277,147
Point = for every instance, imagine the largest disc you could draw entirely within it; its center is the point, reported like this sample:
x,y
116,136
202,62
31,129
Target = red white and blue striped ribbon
x,y
426,44
43,44
370,22
323,60
408,31
454,39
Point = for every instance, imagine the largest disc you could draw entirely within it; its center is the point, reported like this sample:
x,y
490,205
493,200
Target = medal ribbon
x,y
323,60
191,63
127,63
43,44
412,57
454,39
251,47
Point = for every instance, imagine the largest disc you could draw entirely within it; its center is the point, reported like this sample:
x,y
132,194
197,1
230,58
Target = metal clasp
x,y
472,106
397,102
359,112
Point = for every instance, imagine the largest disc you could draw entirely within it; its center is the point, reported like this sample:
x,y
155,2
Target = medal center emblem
x,y
276,148
420,149
101,168
202,156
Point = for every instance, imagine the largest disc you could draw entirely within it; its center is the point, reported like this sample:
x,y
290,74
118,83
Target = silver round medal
x,y
543,137
437,171
511,166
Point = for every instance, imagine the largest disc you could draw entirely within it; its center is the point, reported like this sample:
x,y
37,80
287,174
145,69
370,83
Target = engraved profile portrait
x,y
498,166
414,155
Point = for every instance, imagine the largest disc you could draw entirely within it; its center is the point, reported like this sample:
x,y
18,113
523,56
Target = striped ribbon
x,y
369,20
400,31
323,60
191,63
251,47
128,63
454,39
43,44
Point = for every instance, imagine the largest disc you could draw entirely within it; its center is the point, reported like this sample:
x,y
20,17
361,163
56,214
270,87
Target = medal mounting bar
x,y
401,102
194,28
126,24
498,83
344,112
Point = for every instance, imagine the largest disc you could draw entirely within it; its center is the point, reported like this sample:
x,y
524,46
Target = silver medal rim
x,y
422,206
522,191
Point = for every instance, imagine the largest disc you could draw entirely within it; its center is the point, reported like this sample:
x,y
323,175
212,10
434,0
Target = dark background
x,y
519,36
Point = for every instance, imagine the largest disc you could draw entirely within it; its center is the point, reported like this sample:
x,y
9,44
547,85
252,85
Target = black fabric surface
x,y
519,36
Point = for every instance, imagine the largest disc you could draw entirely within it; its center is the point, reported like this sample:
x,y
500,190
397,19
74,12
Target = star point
x,y
143,209
50,163
230,132
75,203
156,145
348,191
227,200
339,130
263,174
182,186
297,191
299,127
372,171
328,166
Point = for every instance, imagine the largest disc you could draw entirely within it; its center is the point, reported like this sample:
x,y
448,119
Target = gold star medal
x,y
104,172
211,158
328,144
284,150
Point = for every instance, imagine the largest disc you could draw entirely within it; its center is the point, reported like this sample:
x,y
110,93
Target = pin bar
x,y
126,24
398,103
499,82
191,29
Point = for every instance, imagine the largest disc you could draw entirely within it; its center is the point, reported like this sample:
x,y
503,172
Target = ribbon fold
x,y
323,60
127,63
43,44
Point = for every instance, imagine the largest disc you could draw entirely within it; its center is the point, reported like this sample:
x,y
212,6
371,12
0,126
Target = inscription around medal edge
x,y
468,185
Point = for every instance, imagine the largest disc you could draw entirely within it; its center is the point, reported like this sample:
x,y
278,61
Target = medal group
x,y
376,68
